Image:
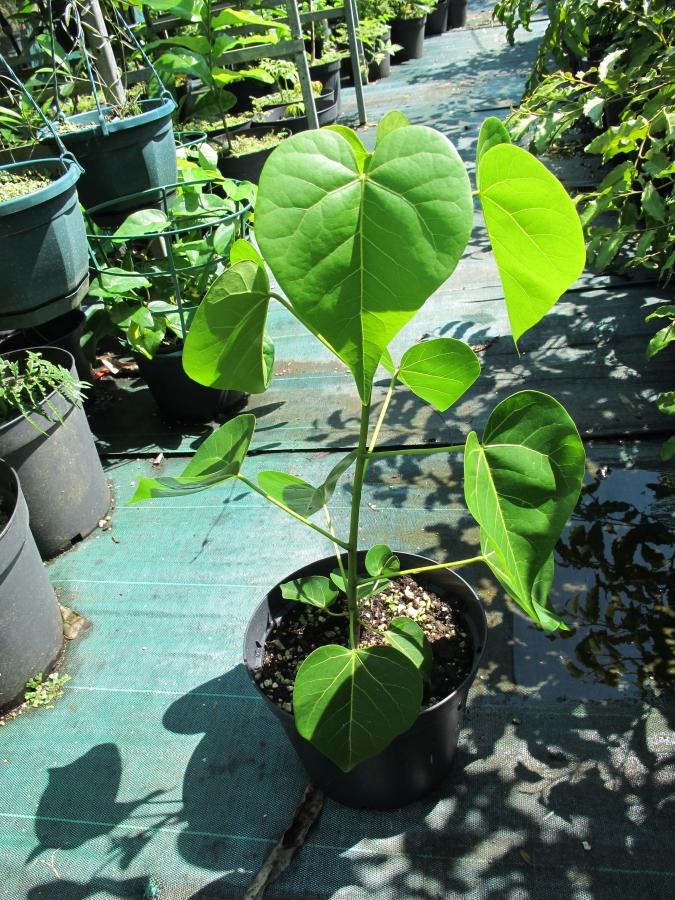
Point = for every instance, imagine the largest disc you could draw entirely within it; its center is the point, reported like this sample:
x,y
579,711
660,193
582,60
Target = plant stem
x,y
412,451
286,509
338,555
451,565
383,412
353,543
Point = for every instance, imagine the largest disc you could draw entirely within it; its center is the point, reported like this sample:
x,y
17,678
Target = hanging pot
x,y
437,19
177,395
44,261
60,472
409,34
416,761
31,629
138,153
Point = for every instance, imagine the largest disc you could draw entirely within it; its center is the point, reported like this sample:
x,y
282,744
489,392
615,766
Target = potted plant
x,y
45,438
407,28
437,19
153,272
31,629
44,260
354,657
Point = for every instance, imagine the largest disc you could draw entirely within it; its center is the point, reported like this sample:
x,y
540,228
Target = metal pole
x,y
301,63
98,40
356,52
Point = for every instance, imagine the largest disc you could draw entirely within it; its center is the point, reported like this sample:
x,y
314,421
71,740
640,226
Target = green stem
x,y
451,565
413,451
383,412
338,555
352,549
286,509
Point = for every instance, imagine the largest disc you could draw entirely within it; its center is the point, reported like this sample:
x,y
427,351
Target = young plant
x,y
28,383
44,692
358,241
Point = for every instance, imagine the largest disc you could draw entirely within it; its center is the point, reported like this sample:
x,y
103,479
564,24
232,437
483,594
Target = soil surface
x,y
14,184
306,628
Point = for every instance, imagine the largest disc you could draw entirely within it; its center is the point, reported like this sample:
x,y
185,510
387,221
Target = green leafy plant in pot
x,y
358,241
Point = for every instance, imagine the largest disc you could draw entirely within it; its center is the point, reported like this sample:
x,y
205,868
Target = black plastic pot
x,y
137,154
60,472
437,19
456,13
328,74
326,111
409,34
177,395
249,166
416,761
31,629
377,71
44,260
65,332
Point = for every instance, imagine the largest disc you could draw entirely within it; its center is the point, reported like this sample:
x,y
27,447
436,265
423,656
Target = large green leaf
x,y
217,459
358,253
225,347
534,230
521,485
439,371
351,704
408,638
300,496
315,590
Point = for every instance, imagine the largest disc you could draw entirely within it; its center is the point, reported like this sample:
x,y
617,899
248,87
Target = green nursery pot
x,y
44,261
137,153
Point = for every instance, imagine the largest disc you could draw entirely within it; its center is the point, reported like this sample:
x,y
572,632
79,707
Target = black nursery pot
x,y
416,761
456,13
177,395
329,75
326,111
248,166
409,35
437,20
64,332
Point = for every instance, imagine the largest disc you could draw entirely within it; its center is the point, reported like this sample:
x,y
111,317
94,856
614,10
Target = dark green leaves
x,y
521,485
358,253
226,346
352,703
300,496
315,590
439,371
219,458
534,230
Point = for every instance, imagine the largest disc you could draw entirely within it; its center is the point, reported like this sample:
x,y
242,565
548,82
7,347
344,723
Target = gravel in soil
x,y
305,628
14,184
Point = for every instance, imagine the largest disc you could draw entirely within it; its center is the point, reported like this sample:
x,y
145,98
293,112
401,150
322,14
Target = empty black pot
x,y
177,395
416,761
409,34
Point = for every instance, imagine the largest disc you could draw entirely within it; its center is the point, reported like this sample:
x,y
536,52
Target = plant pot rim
x,y
157,108
67,361
466,681
69,176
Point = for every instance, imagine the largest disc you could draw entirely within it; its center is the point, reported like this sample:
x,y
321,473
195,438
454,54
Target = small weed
x,y
44,692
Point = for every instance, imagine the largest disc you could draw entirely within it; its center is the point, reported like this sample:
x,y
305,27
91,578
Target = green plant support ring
x,y
137,153
44,259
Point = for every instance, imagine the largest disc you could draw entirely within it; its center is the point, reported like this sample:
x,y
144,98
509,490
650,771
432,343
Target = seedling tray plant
x,y
358,241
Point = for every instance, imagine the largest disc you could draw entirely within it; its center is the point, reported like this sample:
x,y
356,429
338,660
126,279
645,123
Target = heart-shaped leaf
x,y
326,230
315,590
300,496
217,459
225,347
534,230
381,560
439,371
521,485
407,637
144,221
351,704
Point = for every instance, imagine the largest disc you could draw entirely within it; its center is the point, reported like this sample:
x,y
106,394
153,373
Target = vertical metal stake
x,y
301,63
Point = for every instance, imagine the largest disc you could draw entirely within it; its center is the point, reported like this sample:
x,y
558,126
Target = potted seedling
x,y
44,259
407,28
153,272
31,629
366,656
45,437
